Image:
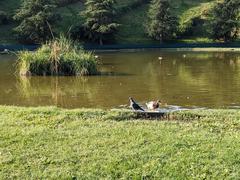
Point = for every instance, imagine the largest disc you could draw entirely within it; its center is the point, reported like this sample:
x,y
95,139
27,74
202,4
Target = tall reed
x,y
60,56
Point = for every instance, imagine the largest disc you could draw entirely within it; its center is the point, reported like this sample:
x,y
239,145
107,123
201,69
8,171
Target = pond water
x,y
187,79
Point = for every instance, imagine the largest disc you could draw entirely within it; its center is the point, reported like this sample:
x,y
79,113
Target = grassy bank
x,y
57,143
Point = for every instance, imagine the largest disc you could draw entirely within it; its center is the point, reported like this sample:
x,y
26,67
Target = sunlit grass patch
x,y
50,143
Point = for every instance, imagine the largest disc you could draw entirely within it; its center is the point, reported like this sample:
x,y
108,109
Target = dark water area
x,y
187,79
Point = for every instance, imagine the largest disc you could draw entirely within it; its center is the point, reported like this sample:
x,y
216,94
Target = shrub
x,y
57,57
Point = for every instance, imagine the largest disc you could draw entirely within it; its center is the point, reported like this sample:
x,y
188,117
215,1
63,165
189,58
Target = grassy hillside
x,y
52,143
132,20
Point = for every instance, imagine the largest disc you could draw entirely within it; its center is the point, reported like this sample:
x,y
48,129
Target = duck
x,y
134,105
152,105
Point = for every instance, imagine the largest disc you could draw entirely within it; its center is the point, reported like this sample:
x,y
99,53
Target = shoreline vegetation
x,y
61,57
196,19
49,142
121,47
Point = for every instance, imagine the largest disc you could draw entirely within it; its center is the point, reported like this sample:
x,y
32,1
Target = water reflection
x,y
178,78
58,91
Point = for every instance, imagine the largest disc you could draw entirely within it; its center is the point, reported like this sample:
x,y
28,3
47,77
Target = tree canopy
x,y
35,18
99,20
162,24
226,20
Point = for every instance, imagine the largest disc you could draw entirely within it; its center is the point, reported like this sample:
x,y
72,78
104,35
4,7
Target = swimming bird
x,y
134,105
153,105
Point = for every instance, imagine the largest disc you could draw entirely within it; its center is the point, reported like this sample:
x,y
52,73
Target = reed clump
x,y
60,56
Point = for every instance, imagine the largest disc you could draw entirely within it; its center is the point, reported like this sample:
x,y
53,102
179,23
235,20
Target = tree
x,y
162,25
226,20
99,23
35,17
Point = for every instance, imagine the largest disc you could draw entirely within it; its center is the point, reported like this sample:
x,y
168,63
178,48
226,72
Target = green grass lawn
x,y
48,142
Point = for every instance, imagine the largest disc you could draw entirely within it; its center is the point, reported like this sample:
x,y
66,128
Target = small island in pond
x,y
59,57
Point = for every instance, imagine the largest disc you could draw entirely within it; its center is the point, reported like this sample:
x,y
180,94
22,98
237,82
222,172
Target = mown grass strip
x,y
48,142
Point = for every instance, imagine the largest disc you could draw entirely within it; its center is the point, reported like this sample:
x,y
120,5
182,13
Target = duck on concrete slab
x,y
153,105
134,105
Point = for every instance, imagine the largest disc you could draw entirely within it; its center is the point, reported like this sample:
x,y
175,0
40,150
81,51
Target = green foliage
x,y
126,6
195,21
162,23
99,20
57,57
226,20
35,17
131,31
66,2
3,18
53,143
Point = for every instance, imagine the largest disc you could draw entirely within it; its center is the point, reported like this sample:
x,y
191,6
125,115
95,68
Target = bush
x,y
57,57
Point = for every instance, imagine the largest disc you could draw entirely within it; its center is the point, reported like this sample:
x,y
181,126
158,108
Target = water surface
x,y
189,79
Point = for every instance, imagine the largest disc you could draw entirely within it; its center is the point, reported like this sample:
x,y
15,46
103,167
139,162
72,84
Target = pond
x,y
187,79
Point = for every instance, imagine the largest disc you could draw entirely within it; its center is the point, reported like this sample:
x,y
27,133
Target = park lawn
x,y
49,142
